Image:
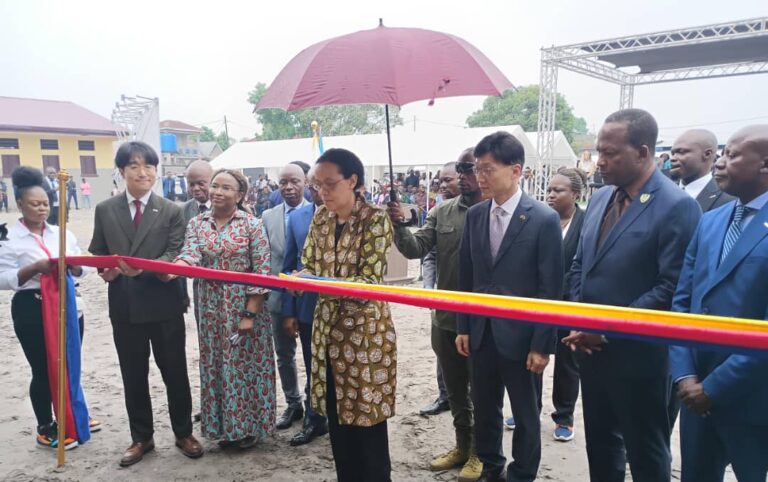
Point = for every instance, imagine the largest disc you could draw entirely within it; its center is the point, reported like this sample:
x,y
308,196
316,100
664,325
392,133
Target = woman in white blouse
x,y
27,254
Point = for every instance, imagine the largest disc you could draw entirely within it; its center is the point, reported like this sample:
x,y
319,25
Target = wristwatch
x,y
248,314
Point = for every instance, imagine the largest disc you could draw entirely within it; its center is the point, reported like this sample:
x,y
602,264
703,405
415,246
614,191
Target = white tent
x,y
428,146
562,154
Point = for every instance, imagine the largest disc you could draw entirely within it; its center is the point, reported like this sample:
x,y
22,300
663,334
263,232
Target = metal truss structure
x,y
137,119
706,52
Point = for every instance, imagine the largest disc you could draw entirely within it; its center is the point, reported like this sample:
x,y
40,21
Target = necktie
x,y
734,230
137,214
287,212
497,229
613,214
203,208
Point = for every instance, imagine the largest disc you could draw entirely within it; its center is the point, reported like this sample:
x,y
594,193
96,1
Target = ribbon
x,y
731,334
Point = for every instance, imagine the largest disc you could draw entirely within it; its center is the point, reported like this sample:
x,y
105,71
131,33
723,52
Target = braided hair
x,y
242,183
577,178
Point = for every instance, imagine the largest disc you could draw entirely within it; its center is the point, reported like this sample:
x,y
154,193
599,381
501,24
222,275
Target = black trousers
x,y
625,420
492,374
27,314
565,388
360,453
167,342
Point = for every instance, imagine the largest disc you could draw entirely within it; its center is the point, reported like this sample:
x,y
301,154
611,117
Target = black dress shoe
x,y
288,417
495,476
308,432
436,407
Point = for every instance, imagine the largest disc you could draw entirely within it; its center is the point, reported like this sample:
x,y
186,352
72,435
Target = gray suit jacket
x,y
711,197
160,236
274,223
190,210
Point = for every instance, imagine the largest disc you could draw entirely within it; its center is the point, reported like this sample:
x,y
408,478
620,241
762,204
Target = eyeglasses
x,y
465,168
223,188
326,186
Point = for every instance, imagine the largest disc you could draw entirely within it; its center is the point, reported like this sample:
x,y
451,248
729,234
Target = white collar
x,y
510,204
699,184
144,199
23,230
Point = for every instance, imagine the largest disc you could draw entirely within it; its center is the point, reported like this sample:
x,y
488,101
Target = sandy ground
x,y
414,440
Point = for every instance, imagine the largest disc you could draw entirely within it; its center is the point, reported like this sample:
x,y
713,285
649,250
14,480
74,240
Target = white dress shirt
x,y
694,188
22,249
289,209
144,200
509,207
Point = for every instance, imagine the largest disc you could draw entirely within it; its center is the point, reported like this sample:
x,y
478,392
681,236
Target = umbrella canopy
x,y
384,65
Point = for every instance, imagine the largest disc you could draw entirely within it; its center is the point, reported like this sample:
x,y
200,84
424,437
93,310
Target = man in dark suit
x,y
693,155
511,246
291,184
299,311
51,186
725,395
169,186
144,310
630,254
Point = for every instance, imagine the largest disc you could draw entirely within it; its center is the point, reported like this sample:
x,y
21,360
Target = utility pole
x,y
226,130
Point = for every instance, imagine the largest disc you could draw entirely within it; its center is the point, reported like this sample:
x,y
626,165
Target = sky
x,y
202,58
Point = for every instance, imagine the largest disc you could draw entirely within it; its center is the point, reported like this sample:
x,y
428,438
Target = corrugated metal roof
x,y
39,115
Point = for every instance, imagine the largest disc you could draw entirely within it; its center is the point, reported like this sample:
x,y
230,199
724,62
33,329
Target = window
x,y
10,162
86,145
49,144
50,161
88,166
9,143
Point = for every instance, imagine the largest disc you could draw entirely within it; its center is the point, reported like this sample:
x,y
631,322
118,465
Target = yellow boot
x,y
471,470
454,458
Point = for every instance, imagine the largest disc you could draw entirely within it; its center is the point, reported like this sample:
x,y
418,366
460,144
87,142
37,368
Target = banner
x,y
732,334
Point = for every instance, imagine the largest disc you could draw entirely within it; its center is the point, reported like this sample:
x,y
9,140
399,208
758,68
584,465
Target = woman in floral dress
x,y
237,365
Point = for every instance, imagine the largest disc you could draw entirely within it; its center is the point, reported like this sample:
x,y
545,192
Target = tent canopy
x,y
426,146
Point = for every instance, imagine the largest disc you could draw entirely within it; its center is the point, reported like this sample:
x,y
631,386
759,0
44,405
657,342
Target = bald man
x,y
724,395
199,174
693,155
291,184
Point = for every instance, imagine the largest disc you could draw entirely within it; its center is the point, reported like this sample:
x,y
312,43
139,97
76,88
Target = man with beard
x,y
442,232
291,185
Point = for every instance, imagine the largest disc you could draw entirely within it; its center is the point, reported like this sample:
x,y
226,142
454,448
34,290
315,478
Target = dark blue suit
x,y
625,387
736,384
302,307
529,263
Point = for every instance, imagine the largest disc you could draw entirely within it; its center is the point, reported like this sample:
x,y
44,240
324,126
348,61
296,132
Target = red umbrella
x,y
384,66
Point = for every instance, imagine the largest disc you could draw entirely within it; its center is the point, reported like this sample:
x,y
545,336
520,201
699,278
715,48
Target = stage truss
x,y
711,51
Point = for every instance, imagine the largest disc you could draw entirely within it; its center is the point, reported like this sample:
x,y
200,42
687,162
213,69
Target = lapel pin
x,y
522,217
644,198
765,224
154,210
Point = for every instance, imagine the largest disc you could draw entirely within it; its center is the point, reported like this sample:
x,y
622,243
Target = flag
x,y
317,139
75,408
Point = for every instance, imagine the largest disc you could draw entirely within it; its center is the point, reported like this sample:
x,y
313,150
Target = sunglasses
x,y
465,168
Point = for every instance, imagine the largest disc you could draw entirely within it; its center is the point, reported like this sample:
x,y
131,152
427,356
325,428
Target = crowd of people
x,y
641,242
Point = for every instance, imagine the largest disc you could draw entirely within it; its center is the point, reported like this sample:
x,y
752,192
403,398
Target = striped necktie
x,y
734,230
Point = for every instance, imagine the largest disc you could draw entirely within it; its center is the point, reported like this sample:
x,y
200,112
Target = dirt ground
x,y
414,440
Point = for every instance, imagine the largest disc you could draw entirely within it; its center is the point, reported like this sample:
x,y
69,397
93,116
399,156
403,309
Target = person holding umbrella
x,y
354,350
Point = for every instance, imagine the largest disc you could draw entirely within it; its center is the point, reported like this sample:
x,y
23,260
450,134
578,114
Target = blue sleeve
x,y
465,274
290,264
679,226
733,379
681,362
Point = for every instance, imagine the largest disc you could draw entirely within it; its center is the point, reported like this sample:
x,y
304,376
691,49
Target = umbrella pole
x,y
392,190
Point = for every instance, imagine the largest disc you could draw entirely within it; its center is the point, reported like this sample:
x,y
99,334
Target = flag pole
x,y
62,411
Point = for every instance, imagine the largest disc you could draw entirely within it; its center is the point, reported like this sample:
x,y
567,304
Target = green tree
x,y
221,138
334,120
521,107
